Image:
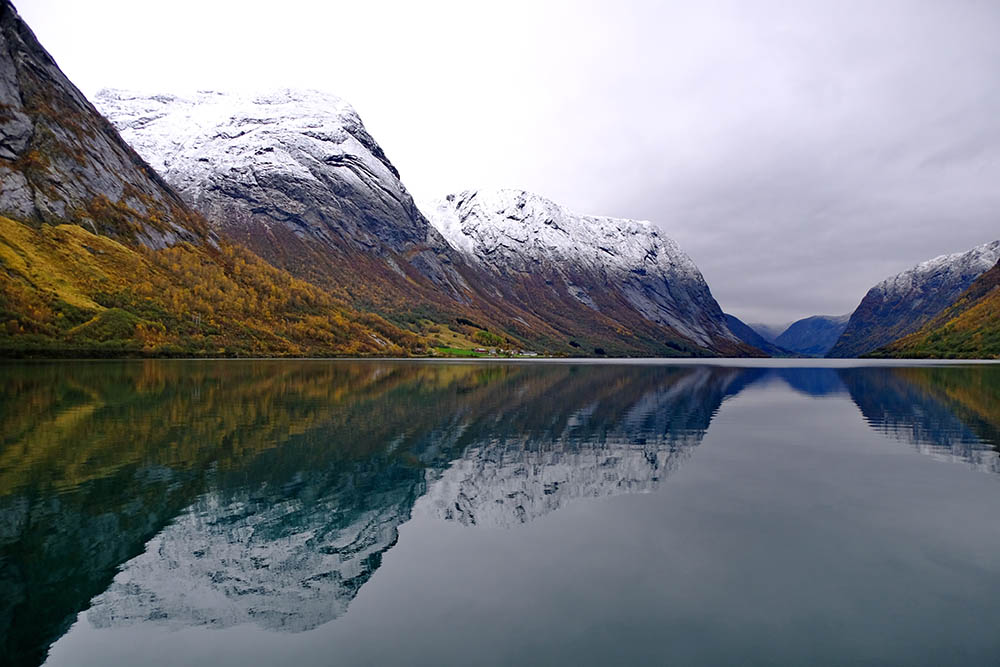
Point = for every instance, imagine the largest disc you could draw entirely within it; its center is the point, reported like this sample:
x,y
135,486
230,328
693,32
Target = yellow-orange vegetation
x,y
66,290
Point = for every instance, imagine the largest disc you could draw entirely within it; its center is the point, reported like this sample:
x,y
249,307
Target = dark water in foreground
x,y
394,513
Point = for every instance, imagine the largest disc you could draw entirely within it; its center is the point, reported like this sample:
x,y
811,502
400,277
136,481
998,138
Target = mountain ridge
x,y
99,256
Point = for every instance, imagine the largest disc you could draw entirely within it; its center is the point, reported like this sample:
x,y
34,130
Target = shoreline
x,y
730,362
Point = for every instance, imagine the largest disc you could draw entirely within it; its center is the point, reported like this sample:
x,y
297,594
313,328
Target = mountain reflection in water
x,y
225,493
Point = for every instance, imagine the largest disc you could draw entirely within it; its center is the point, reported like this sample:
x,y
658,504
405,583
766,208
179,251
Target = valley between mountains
x,y
217,224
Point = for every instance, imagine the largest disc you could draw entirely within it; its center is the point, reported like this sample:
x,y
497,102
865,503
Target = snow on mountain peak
x,y
959,266
184,137
512,232
905,302
526,228
300,159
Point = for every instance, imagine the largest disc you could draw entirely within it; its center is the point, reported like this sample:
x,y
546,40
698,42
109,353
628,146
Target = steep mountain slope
x,y
622,269
968,329
902,304
61,162
751,337
98,255
813,336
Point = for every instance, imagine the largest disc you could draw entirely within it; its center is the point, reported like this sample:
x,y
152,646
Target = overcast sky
x,y
799,152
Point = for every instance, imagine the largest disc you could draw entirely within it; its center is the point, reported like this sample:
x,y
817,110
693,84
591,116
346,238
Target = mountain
x,y
61,162
100,256
294,176
901,305
750,336
768,332
969,328
558,263
813,336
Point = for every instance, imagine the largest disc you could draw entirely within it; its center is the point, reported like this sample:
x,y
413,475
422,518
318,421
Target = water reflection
x,y
950,413
267,492
291,554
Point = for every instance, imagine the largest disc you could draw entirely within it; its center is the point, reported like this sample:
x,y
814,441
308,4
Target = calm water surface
x,y
418,513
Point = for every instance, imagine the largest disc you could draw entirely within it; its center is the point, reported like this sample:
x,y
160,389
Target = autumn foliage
x,y
65,290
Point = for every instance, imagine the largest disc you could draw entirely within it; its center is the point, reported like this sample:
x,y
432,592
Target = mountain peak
x,y
600,262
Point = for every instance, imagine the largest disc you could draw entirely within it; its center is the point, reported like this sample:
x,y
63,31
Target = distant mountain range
x,y
767,331
946,307
752,335
808,337
813,336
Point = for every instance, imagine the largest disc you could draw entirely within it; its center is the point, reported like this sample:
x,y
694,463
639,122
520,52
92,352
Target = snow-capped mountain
x,y
602,263
280,167
903,303
246,151
295,176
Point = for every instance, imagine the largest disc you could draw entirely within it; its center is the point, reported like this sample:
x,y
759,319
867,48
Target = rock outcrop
x,y
62,162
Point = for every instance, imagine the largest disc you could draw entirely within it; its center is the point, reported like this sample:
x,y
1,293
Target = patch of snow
x,y
954,268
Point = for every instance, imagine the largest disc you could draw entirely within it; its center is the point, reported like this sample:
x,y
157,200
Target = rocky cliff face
x,y
623,268
62,162
902,304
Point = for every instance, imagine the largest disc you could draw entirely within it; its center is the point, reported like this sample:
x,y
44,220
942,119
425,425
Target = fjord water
x,y
376,512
